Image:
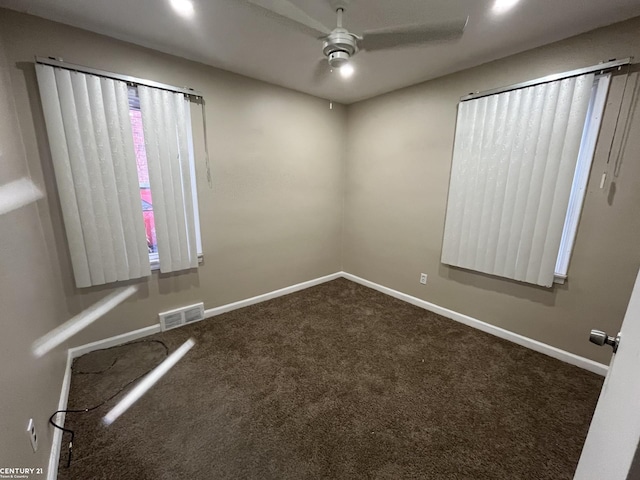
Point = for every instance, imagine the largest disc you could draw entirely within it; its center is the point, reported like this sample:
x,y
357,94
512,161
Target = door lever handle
x,y
601,338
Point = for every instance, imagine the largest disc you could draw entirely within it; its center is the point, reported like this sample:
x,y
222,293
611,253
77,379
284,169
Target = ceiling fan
x,y
339,45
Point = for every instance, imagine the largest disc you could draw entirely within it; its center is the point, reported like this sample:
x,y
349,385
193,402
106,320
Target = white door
x,y
614,434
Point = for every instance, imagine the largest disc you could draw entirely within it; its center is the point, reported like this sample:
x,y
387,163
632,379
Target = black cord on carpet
x,y
85,410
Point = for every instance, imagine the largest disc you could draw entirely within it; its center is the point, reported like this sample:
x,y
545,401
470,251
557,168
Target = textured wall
x,y
31,303
399,157
273,216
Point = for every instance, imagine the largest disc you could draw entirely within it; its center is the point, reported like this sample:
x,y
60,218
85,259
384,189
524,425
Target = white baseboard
x,y
554,352
56,445
114,341
212,312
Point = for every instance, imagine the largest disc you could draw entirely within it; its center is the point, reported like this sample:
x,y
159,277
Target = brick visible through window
x,y
143,170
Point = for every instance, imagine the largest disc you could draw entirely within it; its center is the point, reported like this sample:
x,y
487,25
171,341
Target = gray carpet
x,y
336,381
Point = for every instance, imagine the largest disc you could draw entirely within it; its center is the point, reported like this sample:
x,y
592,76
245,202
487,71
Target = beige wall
x,y
273,216
30,305
281,164
398,163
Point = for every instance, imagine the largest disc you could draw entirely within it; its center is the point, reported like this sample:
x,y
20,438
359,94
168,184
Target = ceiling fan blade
x,y
397,37
287,11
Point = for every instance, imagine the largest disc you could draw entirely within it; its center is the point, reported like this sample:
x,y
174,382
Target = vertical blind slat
x,y
531,142
507,140
513,181
470,180
183,118
498,111
102,108
168,155
549,99
154,149
179,237
102,179
125,164
479,201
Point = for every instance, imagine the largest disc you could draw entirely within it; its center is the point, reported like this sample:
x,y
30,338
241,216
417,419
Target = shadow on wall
x,y
50,213
527,291
177,281
58,244
625,121
635,465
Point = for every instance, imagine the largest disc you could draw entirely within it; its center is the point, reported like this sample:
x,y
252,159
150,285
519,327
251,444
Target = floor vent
x,y
181,316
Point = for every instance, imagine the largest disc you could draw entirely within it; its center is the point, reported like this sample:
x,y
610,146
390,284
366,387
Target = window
x,y
124,164
581,178
520,167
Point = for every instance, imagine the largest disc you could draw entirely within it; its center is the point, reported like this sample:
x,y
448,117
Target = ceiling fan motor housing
x,y
339,46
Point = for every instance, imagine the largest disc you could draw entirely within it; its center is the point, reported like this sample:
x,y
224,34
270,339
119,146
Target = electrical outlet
x,y
33,436
423,278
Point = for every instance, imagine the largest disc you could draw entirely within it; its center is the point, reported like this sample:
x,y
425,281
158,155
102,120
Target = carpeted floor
x,y
336,381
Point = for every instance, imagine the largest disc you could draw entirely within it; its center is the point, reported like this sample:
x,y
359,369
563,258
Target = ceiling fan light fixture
x,y
183,8
346,70
338,59
502,6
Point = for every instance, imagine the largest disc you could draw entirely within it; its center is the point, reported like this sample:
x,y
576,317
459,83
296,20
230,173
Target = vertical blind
x,y
165,120
91,142
513,165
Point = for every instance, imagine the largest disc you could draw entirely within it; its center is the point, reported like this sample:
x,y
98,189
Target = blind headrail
x,y
601,67
116,76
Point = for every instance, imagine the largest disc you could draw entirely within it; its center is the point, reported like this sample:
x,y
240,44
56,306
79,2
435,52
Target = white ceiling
x,y
232,35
